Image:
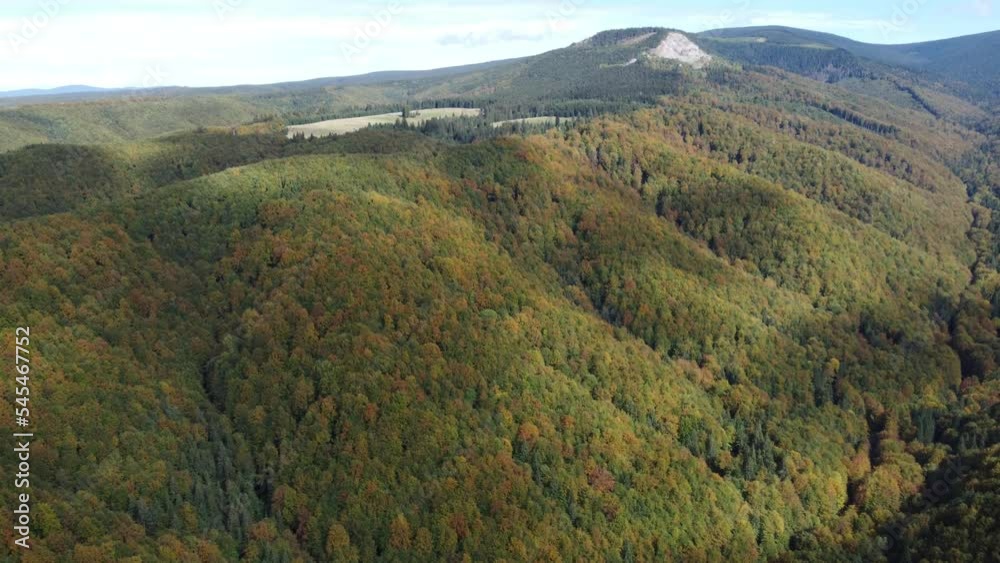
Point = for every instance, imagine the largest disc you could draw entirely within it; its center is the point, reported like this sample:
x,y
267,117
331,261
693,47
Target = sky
x,y
149,43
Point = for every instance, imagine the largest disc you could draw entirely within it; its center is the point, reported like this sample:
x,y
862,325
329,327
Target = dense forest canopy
x,y
744,312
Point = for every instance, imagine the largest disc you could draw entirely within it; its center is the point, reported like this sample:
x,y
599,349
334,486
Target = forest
x,y
743,313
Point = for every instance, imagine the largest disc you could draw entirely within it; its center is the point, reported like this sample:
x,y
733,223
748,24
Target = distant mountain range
x,y
73,89
949,59
960,59
379,77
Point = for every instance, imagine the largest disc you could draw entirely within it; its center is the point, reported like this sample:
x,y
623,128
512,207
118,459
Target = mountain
x,y
958,61
930,79
52,91
939,56
744,307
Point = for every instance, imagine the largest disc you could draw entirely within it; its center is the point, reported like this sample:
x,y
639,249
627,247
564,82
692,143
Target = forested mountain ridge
x,y
958,60
942,78
729,313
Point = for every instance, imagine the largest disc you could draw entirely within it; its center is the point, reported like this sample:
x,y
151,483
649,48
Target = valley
x,y
738,301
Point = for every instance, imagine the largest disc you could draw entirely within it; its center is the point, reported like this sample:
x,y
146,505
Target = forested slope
x,y
753,319
947,78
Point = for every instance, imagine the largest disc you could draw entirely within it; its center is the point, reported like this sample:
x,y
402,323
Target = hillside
x,y
957,63
939,77
726,312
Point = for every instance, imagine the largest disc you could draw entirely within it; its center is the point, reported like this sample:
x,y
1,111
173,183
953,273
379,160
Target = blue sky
x,y
111,43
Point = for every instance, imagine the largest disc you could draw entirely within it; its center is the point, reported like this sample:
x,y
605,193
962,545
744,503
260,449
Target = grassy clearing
x,y
351,124
542,120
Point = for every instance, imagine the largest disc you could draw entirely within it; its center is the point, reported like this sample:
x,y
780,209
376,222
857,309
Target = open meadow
x,y
352,124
